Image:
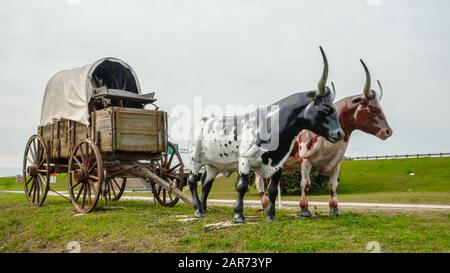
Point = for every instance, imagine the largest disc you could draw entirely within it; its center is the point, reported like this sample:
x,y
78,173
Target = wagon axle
x,y
33,170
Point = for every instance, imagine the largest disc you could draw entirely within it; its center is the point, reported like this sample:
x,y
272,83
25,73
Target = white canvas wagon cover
x,y
68,93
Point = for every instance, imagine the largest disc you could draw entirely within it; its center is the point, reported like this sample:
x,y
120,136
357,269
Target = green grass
x,y
10,183
385,181
431,175
136,226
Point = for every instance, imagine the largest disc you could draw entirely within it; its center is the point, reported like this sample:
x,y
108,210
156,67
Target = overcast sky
x,y
236,52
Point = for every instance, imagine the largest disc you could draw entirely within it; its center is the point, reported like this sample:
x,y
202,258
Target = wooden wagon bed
x,y
116,130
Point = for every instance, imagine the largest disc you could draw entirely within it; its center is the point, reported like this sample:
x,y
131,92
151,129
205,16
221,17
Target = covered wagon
x,y
96,126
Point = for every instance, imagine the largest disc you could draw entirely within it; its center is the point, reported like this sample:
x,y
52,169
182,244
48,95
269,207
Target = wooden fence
x,y
398,156
378,157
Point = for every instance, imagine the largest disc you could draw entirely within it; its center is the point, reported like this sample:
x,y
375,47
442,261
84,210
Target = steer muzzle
x,y
384,133
335,136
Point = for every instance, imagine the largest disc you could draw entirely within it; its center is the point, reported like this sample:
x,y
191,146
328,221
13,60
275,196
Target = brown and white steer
x,y
361,112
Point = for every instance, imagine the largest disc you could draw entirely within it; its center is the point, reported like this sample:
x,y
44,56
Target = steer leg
x,y
259,182
305,185
273,193
334,211
196,204
242,188
207,181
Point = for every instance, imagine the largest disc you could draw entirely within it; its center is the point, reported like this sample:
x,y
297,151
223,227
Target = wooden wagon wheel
x,y
36,170
170,168
85,176
114,188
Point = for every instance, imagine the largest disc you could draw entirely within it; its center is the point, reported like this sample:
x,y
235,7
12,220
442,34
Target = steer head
x,y
368,115
320,114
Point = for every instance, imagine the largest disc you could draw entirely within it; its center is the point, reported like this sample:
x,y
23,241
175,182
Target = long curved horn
x,y
334,89
366,91
323,81
381,90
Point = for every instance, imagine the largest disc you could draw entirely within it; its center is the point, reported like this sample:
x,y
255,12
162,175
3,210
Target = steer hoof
x,y
335,212
304,213
199,214
239,218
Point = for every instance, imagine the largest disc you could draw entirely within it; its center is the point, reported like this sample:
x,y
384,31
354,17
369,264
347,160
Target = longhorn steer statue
x,y
237,143
361,112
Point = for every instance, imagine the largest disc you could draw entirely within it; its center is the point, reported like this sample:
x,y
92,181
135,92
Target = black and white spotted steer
x,y
260,141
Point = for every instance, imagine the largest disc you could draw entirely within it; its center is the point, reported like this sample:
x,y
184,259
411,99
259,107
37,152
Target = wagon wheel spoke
x,y
93,177
173,168
89,192
38,190
170,160
115,182
82,155
84,196
88,158
75,185
41,162
112,189
34,189
108,191
29,180
77,161
164,160
33,184
42,182
39,155
79,193
112,182
33,151
92,186
29,159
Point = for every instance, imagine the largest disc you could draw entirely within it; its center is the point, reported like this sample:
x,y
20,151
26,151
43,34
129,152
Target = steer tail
x,y
195,145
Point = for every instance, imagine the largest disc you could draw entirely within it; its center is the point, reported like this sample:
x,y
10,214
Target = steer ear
x,y
312,95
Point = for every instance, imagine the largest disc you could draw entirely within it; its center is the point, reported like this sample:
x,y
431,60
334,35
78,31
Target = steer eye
x,y
326,110
374,110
